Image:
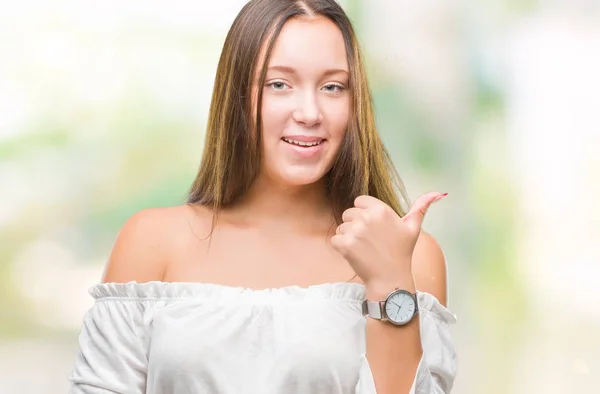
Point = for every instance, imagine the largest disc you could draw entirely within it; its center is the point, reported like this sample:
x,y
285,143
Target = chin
x,y
294,177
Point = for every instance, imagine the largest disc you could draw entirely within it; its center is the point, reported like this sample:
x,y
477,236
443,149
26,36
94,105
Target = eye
x,y
277,85
334,88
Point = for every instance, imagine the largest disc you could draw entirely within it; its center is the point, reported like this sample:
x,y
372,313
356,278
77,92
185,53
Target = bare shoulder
x,y
429,267
145,244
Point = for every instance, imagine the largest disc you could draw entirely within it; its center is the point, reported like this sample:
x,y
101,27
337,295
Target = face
x,y
306,102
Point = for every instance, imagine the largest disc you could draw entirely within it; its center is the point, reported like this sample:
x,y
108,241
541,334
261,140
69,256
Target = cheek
x,y
339,118
275,113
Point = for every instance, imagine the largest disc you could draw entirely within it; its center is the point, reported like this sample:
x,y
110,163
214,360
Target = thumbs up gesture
x,y
378,243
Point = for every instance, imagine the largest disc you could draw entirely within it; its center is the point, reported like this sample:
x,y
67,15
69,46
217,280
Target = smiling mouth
x,y
305,144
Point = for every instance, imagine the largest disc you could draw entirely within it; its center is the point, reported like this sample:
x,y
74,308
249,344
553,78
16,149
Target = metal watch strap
x,y
374,309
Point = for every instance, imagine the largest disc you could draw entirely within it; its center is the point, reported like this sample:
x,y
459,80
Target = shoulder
x,y
145,243
429,267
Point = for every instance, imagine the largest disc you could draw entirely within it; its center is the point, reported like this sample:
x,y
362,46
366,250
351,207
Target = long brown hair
x,y
231,159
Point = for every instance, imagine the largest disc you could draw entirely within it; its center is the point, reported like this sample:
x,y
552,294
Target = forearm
x,y
393,352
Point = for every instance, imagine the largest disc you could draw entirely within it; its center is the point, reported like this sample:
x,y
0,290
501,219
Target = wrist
x,y
379,289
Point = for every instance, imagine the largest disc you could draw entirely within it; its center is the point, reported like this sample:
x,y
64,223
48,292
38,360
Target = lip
x,y
303,138
305,151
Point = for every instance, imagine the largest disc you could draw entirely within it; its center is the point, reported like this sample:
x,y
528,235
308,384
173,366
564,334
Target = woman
x,y
257,284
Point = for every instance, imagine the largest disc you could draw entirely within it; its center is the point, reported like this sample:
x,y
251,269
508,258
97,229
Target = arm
x,y
140,251
387,252
394,353
112,354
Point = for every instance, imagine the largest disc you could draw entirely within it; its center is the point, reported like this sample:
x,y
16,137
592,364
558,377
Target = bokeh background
x,y
103,106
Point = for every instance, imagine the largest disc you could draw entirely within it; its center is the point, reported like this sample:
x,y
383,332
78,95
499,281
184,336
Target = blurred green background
x,y
102,113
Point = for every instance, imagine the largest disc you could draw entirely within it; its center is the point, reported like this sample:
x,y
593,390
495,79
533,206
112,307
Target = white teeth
x,y
302,143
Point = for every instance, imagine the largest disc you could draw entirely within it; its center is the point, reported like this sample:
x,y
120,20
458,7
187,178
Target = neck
x,y
284,206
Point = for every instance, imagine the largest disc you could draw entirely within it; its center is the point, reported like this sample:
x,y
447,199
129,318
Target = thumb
x,y
414,218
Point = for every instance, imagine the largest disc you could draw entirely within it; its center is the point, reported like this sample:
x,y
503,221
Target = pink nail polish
x,y
438,198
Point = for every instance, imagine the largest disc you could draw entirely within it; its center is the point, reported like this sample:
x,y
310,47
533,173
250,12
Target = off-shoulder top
x,y
180,338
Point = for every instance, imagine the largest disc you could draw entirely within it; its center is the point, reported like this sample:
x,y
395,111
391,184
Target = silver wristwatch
x,y
399,308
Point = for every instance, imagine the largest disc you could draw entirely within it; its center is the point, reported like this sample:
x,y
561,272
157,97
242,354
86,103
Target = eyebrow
x,y
291,70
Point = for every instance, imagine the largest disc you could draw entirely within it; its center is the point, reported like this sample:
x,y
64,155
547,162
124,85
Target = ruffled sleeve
x,y
437,368
113,343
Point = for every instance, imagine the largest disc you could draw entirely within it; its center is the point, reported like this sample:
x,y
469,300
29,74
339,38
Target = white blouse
x,y
180,338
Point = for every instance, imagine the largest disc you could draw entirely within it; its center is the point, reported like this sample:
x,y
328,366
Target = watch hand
x,y
400,306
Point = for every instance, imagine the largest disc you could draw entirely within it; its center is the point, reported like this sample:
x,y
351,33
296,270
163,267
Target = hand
x,y
378,243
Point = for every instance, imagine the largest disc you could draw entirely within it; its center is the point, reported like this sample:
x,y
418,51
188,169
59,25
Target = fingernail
x,y
438,198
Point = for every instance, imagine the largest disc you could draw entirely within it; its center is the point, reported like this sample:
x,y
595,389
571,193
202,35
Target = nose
x,y
308,111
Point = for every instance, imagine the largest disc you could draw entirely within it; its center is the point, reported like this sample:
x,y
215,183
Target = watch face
x,y
400,307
